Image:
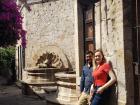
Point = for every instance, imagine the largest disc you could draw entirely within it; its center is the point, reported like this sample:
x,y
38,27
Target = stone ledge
x,y
66,83
53,100
121,102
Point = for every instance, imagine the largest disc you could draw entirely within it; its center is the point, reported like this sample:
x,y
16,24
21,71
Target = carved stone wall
x,y
50,23
109,31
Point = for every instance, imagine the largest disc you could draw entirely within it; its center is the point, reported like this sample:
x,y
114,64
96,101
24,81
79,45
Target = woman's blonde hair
x,y
103,59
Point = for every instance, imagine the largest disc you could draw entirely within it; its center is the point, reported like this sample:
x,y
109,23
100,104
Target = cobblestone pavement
x,y
11,95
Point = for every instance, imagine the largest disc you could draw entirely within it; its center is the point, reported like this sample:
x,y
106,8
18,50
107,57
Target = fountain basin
x,y
66,93
41,76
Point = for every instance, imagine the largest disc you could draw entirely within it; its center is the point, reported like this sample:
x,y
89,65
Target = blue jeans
x,y
99,99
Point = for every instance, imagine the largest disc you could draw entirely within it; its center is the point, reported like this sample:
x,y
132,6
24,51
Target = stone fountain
x,y
52,77
66,93
42,77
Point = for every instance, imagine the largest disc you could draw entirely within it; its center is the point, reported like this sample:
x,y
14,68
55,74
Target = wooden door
x,y
89,29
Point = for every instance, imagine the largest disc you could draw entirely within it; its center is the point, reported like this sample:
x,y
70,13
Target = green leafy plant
x,y
7,62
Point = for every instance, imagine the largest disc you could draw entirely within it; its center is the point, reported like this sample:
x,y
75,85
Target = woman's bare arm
x,y
112,80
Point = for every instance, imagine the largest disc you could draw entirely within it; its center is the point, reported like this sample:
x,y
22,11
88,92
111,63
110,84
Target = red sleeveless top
x,y
100,74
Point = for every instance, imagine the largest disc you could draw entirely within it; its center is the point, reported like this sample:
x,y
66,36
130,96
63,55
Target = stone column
x,y
98,24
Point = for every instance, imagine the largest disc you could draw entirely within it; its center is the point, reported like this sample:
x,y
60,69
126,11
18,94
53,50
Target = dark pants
x,y
100,99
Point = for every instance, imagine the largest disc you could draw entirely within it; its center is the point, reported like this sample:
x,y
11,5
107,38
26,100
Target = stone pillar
x,y
79,53
109,37
127,23
98,24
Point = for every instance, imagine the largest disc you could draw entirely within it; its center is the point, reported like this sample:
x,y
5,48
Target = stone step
x,y
41,83
53,99
50,89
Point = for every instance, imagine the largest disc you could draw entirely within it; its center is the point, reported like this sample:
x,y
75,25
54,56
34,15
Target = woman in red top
x,y
100,75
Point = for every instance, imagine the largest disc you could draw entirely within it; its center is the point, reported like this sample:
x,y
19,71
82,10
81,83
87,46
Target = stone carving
x,y
49,57
47,63
50,60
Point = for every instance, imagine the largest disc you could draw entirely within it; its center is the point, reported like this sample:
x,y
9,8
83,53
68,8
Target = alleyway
x,y
11,95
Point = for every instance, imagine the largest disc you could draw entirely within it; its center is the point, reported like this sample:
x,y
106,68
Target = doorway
x,y
89,36
88,24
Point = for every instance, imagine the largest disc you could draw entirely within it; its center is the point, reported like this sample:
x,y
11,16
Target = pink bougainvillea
x,y
11,24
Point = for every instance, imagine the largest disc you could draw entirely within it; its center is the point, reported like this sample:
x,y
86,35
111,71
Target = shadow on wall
x,y
69,63
113,97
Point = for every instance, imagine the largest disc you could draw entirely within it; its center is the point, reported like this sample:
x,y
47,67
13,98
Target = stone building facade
x,y
58,26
